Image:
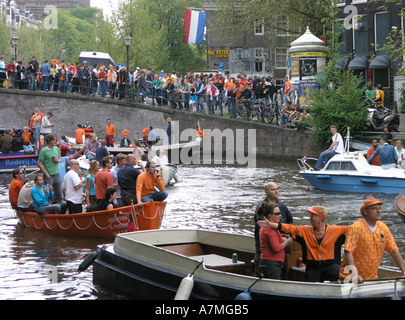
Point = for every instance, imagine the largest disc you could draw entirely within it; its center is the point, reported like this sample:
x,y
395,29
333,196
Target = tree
x,y
339,100
156,28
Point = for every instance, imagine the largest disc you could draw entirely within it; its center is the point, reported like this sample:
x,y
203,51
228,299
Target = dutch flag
x,y
194,24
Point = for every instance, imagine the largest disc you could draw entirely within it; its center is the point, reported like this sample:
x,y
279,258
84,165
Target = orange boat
x,y
97,224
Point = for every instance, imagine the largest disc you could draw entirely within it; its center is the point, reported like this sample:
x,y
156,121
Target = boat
x,y
350,172
13,160
400,205
97,224
153,264
168,172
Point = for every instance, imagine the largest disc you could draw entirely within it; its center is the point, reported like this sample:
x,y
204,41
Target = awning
x,y
358,63
381,62
340,63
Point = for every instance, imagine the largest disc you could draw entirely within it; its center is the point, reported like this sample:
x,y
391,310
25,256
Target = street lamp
x,y
127,40
14,42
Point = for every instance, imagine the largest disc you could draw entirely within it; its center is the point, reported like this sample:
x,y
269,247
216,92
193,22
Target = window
x,y
341,3
259,28
381,76
281,26
382,28
281,58
340,166
360,34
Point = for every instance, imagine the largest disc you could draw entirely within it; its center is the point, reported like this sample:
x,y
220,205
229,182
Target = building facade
x,y
366,24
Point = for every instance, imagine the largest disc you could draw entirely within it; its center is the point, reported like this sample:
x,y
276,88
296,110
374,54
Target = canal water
x,y
35,265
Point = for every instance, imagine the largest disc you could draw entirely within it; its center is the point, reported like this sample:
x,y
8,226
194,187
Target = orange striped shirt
x,y
367,248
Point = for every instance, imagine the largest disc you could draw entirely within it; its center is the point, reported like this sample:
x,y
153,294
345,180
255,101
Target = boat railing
x,y
374,282
303,164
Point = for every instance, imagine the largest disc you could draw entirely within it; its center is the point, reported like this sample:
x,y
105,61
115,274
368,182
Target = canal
x,y
215,197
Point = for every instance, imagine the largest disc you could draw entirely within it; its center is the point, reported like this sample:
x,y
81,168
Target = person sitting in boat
x,y
320,244
42,195
25,201
6,142
15,187
145,185
388,154
108,201
272,243
366,241
335,148
125,142
374,146
127,177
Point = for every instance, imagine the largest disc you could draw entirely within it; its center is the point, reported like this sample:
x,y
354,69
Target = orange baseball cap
x,y
369,202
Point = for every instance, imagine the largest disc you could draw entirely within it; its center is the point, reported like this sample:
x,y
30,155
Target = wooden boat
x,y
152,265
400,205
98,224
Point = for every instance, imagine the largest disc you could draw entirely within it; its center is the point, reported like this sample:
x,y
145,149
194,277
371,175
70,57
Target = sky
x,y
104,4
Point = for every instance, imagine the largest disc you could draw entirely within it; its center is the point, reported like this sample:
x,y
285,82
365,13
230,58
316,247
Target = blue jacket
x,y
41,199
388,154
45,70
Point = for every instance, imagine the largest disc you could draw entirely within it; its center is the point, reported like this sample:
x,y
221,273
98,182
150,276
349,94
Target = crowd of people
x,y
59,190
203,93
364,241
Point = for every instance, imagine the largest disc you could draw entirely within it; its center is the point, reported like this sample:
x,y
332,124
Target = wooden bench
x,y
220,263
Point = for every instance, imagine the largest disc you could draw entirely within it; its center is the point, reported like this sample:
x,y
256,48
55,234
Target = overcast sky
x,y
104,4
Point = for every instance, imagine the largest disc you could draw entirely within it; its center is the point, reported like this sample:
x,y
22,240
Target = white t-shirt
x,y
72,179
339,147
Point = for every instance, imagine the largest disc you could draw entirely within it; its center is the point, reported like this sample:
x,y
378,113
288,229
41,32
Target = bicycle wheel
x,y
268,114
241,112
255,113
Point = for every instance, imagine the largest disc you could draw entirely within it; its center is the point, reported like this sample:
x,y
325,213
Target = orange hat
x,y
146,130
125,132
54,61
319,210
369,202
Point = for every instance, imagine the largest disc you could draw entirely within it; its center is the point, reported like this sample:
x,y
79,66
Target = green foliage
x,y
402,100
341,103
155,26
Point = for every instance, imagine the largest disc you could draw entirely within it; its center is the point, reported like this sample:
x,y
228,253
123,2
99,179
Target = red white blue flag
x,y
194,25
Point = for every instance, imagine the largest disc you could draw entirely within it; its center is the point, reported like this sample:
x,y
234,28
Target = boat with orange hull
x,y
97,224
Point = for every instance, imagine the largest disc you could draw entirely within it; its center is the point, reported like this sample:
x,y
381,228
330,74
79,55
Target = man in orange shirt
x,y
110,133
104,178
145,185
374,146
15,187
80,133
366,241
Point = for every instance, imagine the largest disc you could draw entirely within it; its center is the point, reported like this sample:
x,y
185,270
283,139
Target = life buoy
x,y
200,133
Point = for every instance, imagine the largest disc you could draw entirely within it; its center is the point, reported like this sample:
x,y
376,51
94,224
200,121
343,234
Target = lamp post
x,y
14,42
127,40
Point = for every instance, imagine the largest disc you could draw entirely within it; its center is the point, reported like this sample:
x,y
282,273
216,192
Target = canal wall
x,y
221,133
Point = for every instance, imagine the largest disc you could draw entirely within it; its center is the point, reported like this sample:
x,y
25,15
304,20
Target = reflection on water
x,y
215,198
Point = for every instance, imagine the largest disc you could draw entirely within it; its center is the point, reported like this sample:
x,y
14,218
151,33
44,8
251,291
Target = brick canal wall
x,y
221,133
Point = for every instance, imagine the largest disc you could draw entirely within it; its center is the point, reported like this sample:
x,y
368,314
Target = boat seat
x,y
221,263
186,249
